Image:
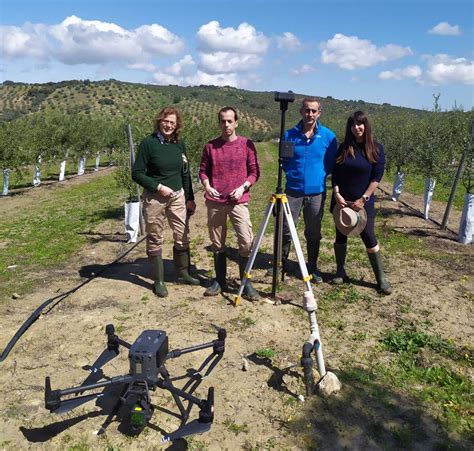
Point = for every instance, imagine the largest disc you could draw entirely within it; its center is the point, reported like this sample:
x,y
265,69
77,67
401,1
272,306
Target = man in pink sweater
x,y
229,167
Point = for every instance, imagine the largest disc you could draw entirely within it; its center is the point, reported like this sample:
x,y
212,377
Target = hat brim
x,y
350,231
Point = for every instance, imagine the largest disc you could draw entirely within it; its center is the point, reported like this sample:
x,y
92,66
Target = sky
x,y
383,51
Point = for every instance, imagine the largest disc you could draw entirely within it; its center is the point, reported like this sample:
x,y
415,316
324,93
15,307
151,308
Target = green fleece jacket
x,y
162,163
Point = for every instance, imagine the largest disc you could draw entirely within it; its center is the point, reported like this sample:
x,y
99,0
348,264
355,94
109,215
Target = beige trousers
x,y
157,209
217,222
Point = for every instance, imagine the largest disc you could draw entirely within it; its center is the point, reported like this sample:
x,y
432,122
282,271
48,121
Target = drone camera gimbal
x,y
128,397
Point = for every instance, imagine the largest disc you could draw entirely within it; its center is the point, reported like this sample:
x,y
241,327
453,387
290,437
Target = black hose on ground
x,y
36,314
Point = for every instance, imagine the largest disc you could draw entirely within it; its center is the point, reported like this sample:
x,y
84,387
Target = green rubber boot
x,y
376,261
157,269
181,260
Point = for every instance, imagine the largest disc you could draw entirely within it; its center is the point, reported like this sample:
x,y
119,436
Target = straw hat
x,y
348,221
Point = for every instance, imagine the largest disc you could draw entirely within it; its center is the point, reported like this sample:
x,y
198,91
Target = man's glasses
x,y
165,121
310,110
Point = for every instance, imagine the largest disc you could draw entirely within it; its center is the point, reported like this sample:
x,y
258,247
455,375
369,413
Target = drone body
x,y
128,397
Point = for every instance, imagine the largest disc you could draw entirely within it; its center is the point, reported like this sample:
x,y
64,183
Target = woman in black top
x,y
359,167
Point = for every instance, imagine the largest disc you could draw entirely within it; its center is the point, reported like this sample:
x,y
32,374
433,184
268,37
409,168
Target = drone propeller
x,y
194,427
96,372
70,404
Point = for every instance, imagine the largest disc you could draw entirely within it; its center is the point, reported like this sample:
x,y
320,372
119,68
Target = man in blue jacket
x,y
313,159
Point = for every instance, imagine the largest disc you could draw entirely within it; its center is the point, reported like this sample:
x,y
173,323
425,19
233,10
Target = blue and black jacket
x,y
312,161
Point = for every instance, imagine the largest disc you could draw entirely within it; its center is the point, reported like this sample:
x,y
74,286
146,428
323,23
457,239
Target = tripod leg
x,y
255,247
309,302
297,244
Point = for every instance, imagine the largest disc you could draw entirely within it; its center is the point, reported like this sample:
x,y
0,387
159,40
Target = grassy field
x,y
402,358
49,232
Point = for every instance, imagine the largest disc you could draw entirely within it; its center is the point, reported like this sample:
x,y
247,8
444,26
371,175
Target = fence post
x,y
132,161
444,223
456,180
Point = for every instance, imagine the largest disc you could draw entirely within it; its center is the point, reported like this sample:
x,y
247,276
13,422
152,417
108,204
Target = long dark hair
x,y
371,149
166,111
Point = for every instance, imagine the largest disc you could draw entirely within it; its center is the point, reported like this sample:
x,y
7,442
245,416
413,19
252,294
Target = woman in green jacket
x,y
162,168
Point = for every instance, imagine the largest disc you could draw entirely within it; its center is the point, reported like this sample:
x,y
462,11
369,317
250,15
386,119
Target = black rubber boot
x,y
181,260
249,292
312,247
219,284
376,261
340,251
157,269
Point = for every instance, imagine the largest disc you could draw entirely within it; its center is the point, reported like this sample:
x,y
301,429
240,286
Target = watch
x,y
366,198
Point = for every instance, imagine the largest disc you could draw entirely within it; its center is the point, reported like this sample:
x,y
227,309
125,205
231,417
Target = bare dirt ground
x,y
264,407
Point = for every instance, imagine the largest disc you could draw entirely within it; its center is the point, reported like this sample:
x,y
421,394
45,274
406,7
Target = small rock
x,y
329,384
301,398
245,365
16,296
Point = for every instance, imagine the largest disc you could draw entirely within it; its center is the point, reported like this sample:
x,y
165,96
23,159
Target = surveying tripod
x,y
279,203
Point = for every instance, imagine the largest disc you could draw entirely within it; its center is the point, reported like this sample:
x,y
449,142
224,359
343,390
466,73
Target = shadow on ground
x,y
368,415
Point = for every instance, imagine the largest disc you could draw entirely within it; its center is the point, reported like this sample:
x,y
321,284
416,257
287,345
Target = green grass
x,y
236,428
265,353
437,379
49,232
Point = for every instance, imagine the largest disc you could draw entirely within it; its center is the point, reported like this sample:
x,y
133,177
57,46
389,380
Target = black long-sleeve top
x,y
354,175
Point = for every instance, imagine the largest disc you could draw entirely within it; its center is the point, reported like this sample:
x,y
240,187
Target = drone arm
x,y
53,397
124,343
217,345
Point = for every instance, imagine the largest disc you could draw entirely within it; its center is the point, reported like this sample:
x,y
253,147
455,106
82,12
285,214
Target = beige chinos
x,y
156,209
217,214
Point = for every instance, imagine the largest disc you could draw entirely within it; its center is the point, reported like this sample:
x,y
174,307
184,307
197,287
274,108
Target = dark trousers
x,y
313,209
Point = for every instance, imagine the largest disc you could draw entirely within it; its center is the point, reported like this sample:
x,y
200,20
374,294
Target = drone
x,y
127,397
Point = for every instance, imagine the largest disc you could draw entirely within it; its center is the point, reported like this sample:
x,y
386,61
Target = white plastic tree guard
x,y
97,161
62,170
466,226
82,166
132,221
429,189
398,185
37,174
6,181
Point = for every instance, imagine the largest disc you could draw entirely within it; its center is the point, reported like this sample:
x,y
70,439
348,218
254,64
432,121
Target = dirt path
x,y
261,408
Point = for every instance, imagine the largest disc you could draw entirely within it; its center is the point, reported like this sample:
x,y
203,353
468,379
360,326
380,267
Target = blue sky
x,y
400,52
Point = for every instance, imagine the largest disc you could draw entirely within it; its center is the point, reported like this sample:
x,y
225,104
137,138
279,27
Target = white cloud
x,y
400,74
202,78
350,52
27,41
443,69
182,67
288,41
77,41
142,66
245,39
162,78
304,69
198,78
224,62
444,28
